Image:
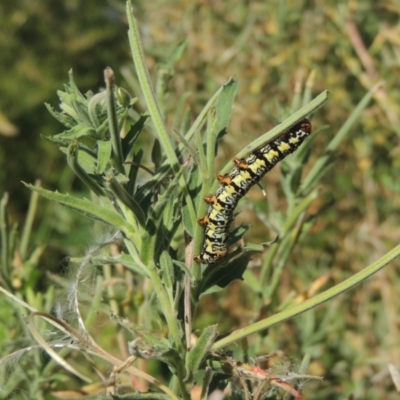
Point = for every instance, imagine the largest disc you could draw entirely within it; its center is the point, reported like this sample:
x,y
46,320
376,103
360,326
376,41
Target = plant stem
x,y
310,303
113,121
146,255
152,104
291,220
29,222
4,273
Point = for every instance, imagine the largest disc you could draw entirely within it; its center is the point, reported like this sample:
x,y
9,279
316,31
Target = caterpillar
x,y
234,185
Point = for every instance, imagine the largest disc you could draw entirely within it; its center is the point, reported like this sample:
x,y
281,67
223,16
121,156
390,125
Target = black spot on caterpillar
x,y
247,172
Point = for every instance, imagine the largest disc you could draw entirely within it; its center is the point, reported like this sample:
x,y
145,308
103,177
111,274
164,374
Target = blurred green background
x,y
271,48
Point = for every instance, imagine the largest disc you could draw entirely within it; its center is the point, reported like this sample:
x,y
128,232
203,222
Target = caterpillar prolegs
x,y
247,172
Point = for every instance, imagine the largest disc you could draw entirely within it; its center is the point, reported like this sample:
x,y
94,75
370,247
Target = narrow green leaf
x,y
133,171
88,209
156,154
97,108
77,131
176,54
310,303
230,269
121,194
166,198
79,104
27,228
182,114
171,222
156,224
198,353
103,155
233,271
152,104
125,259
237,233
152,185
298,210
142,396
224,104
168,276
279,129
5,260
113,120
131,137
63,118
187,221
188,147
205,388
183,267
64,143
81,173
198,123
87,162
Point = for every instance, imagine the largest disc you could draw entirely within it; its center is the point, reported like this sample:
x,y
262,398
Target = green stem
x,y
29,222
206,383
310,303
151,101
181,377
266,268
167,307
291,220
298,210
200,118
146,255
211,137
113,121
72,159
4,274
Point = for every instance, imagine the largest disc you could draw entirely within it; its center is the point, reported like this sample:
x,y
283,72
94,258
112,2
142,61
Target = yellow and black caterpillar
x,y
247,172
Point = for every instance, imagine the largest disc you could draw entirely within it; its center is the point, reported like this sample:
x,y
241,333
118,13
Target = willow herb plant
x,y
155,229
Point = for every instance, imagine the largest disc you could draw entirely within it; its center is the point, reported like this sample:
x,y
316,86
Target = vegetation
x,y
130,315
